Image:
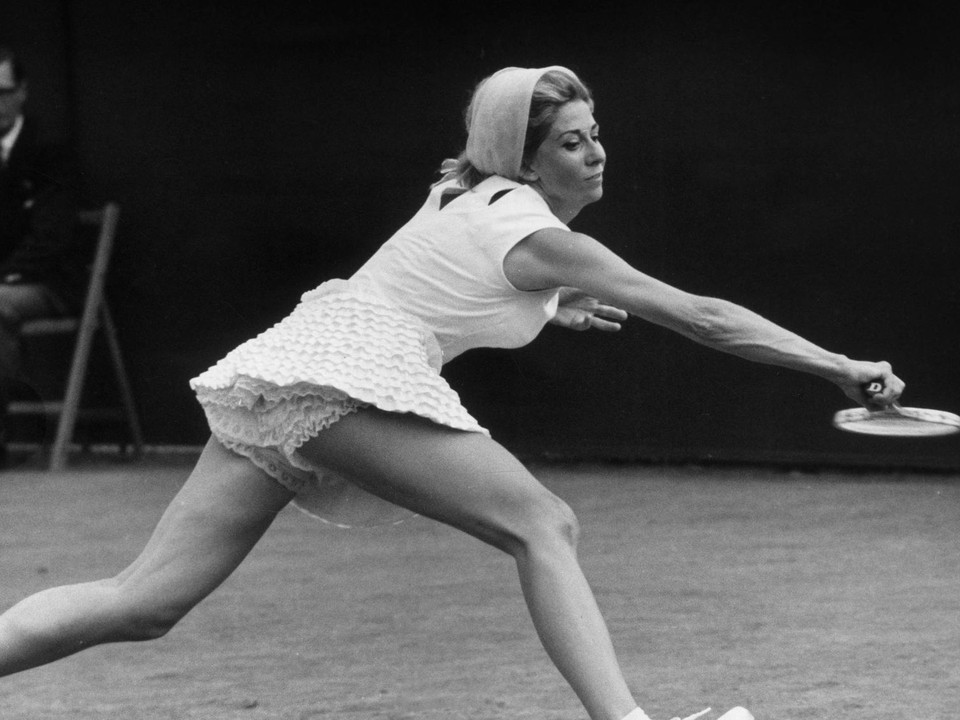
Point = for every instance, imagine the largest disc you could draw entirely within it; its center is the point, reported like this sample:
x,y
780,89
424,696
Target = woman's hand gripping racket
x,y
895,420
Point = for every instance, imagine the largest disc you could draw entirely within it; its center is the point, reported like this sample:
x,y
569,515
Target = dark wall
x,y
798,158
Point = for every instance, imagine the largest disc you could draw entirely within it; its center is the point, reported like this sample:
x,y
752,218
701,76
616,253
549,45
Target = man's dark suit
x,y
39,268
38,196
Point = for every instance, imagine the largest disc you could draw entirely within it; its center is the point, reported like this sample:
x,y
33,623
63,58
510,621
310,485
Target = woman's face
x,y
567,168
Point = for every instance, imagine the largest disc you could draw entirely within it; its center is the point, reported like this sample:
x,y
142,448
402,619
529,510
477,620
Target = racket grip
x,y
873,388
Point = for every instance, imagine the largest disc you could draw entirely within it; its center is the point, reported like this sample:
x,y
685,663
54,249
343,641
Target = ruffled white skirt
x,y
341,349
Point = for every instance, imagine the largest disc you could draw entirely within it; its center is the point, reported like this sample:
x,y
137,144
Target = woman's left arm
x,y
576,310
553,257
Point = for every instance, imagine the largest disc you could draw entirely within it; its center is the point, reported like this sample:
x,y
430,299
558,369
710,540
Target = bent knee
x,y
138,618
150,623
550,523
9,318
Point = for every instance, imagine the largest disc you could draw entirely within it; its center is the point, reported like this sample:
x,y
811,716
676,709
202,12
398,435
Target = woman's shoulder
x,y
497,199
497,186
505,193
482,194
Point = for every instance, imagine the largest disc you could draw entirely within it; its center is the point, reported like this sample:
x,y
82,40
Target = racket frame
x,y
896,420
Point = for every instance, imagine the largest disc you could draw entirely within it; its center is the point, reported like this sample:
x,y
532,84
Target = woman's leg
x,y
472,483
217,517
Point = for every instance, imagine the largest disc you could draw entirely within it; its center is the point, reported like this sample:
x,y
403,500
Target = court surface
x,y
797,595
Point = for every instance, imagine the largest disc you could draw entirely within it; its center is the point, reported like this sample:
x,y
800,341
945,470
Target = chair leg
x,y
74,392
123,380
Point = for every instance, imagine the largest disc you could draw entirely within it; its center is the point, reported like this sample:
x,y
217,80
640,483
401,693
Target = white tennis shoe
x,y
737,713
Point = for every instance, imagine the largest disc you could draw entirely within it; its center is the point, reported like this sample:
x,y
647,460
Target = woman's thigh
x,y
464,479
219,514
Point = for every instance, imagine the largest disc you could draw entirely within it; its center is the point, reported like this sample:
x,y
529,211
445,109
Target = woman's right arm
x,y
554,257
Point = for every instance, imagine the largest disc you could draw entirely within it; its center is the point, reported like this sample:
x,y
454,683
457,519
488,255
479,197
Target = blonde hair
x,y
553,90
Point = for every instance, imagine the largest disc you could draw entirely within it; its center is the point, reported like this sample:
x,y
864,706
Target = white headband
x,y
499,115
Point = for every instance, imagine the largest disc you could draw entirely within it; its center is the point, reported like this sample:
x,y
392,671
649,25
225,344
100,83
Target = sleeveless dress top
x,y
434,290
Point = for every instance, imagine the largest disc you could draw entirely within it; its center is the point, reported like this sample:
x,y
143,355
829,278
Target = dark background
x,y
802,159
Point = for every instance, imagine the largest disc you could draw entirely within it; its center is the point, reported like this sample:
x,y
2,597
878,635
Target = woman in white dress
x,y
341,408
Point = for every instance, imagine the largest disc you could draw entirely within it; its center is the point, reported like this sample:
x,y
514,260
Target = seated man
x,y
37,215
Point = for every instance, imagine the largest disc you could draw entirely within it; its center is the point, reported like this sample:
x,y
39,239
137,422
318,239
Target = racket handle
x,y
873,389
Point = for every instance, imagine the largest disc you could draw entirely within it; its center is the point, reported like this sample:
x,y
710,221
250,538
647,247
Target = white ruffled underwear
x,y
341,349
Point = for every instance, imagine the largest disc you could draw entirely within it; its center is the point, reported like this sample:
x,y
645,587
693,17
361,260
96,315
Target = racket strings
x,y
898,421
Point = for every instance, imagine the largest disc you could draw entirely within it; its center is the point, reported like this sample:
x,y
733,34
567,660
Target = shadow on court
x,y
797,595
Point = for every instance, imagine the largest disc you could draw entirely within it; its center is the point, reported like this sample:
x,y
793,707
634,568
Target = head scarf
x,y
499,114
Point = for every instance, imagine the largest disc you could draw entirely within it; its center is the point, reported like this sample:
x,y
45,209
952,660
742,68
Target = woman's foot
x,y
737,713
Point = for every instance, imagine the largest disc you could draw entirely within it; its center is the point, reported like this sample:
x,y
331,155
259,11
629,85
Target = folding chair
x,y
95,316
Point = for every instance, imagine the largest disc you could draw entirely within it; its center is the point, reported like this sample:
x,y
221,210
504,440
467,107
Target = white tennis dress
x,y
433,290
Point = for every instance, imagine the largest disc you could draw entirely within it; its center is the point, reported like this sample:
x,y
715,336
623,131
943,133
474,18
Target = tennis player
x,y
341,408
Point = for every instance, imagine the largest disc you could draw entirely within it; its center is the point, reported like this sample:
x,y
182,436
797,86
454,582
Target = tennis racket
x,y
895,420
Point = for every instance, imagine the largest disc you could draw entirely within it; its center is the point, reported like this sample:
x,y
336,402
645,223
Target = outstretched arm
x,y
554,257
